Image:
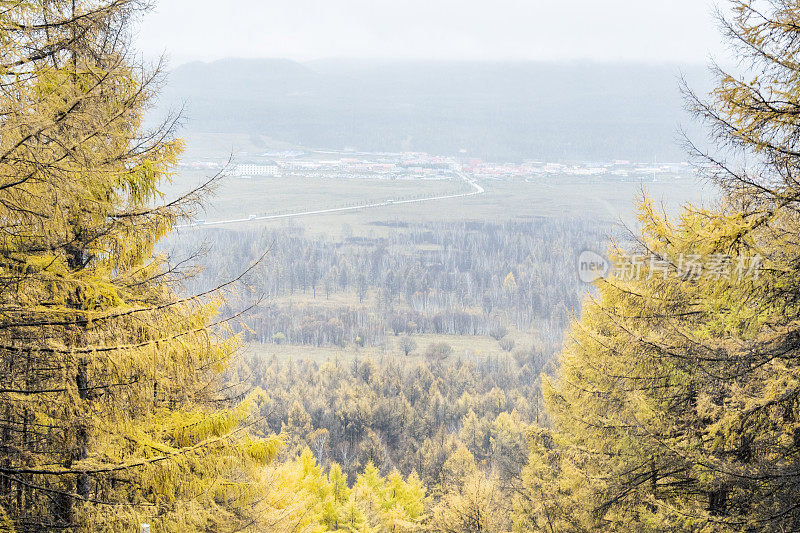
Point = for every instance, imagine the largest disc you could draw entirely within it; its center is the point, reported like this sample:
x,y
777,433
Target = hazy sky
x,y
639,30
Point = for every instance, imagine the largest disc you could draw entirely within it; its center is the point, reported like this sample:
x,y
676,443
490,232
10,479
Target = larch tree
x,y
109,410
677,402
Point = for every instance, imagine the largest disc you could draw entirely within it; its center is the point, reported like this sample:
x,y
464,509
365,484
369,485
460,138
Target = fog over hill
x,y
496,111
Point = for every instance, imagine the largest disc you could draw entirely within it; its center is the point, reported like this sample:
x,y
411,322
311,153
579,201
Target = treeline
x,y
677,403
401,414
112,411
463,278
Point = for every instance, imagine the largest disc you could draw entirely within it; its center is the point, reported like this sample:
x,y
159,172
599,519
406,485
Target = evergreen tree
x,y
677,403
107,377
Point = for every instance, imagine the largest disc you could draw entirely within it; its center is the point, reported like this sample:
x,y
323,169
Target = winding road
x,y
477,189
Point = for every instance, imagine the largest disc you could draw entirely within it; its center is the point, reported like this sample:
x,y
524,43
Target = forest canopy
x,y
673,404
676,403
111,410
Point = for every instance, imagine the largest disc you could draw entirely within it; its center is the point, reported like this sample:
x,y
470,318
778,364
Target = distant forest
x,y
673,404
494,111
468,278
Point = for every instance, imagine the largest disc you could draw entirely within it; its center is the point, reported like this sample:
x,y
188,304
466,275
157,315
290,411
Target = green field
x,y
506,200
503,200
239,198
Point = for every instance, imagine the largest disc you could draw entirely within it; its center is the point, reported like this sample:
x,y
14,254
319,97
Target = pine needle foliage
x,y
109,410
677,403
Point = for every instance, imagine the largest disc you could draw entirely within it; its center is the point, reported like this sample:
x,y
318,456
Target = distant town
x,y
423,166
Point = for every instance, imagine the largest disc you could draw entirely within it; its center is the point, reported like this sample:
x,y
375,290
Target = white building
x,y
269,169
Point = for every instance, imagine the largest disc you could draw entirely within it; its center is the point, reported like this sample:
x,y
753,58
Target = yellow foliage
x,y
112,376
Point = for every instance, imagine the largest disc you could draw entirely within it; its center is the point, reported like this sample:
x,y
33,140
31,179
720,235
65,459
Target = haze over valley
x,y
399,267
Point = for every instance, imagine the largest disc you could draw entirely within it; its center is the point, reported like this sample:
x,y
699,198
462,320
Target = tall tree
x,y
677,404
108,408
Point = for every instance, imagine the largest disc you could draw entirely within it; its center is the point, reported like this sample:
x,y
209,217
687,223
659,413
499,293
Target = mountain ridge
x,y
496,111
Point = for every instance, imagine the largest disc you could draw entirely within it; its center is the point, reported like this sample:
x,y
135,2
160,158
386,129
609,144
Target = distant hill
x,y
497,111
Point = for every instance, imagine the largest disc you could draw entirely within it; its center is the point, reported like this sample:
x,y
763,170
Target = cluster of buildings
x,y
593,171
410,165
422,166
270,168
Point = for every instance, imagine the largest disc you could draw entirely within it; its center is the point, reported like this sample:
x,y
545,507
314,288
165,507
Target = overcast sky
x,y
602,30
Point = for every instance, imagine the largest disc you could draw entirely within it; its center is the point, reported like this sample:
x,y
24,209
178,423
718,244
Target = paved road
x,y
477,189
